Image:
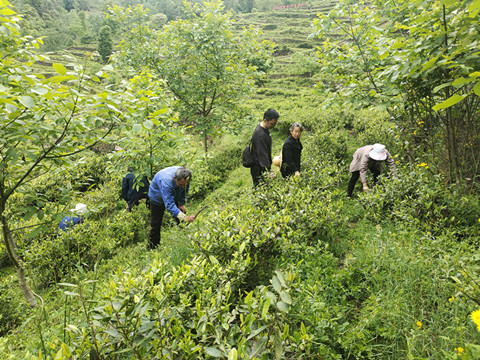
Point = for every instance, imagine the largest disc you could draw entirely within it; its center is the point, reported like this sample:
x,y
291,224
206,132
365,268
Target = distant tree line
x,y
66,23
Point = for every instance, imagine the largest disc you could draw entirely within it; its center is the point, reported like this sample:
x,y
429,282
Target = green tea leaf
x,y
59,68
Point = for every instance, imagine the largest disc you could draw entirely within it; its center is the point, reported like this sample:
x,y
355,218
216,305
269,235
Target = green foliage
x,y
270,27
211,171
105,45
56,257
419,197
330,277
147,142
281,50
418,61
158,20
12,313
214,70
44,122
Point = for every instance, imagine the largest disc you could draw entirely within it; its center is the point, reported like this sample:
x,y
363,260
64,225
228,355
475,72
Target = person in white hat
x,y
69,221
369,157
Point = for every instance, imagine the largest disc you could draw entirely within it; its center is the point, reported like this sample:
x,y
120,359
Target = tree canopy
x,y
419,60
204,64
43,122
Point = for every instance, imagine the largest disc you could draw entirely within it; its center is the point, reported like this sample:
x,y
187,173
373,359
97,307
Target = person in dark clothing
x,y
133,190
262,146
292,152
168,190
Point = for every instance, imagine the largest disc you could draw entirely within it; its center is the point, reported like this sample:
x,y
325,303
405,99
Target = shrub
x,y
305,45
331,146
281,50
12,313
420,197
210,173
55,257
173,314
269,27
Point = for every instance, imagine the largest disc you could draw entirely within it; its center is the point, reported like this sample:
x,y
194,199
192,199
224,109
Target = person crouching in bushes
x,y
69,221
292,152
369,157
133,190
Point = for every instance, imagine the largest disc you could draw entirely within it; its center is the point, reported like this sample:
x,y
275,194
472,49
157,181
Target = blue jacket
x,y
68,221
164,190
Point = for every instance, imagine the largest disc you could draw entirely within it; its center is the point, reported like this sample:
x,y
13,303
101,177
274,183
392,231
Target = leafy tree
x,y
204,64
43,123
147,138
158,20
105,45
419,60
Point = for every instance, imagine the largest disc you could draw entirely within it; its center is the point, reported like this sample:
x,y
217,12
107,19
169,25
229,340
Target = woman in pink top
x,y
369,157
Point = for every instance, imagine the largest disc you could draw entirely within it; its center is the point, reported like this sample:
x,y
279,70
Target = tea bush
x,y
188,313
12,313
421,198
329,118
60,185
210,172
332,145
373,126
55,257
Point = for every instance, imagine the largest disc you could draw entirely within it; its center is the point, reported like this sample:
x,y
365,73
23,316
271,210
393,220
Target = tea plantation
x,y
293,269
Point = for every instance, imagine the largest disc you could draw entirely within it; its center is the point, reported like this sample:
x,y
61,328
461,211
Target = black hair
x,y
271,114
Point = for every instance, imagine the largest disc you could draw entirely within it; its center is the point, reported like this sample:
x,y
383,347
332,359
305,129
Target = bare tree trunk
x,y
10,245
205,140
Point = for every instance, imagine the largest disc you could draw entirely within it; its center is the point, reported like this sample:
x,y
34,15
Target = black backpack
x,y
247,156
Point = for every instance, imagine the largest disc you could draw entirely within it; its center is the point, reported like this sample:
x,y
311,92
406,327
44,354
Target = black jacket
x,y
262,148
133,190
291,156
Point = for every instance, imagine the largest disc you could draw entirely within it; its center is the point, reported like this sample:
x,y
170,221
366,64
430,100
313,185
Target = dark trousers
x,y
156,218
356,175
256,172
136,200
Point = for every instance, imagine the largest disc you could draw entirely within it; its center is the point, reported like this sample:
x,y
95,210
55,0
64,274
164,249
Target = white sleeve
x,y
181,216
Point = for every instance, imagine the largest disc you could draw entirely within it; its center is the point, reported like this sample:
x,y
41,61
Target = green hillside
x,y
293,269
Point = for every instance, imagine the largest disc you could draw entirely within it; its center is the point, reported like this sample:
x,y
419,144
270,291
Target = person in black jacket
x,y
262,146
292,152
133,190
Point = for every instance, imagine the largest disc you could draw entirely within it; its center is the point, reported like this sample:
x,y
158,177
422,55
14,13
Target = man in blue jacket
x,y
168,190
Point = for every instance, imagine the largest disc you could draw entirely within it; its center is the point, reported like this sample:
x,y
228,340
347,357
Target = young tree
x,y
43,122
105,44
204,64
419,60
147,141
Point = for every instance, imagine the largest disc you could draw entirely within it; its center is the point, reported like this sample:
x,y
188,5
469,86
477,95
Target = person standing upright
x,y
262,146
292,152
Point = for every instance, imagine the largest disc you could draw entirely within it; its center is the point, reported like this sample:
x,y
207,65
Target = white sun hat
x,y
378,152
79,208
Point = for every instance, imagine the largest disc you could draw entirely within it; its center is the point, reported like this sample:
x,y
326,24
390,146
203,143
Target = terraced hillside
x,y
290,30
296,69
